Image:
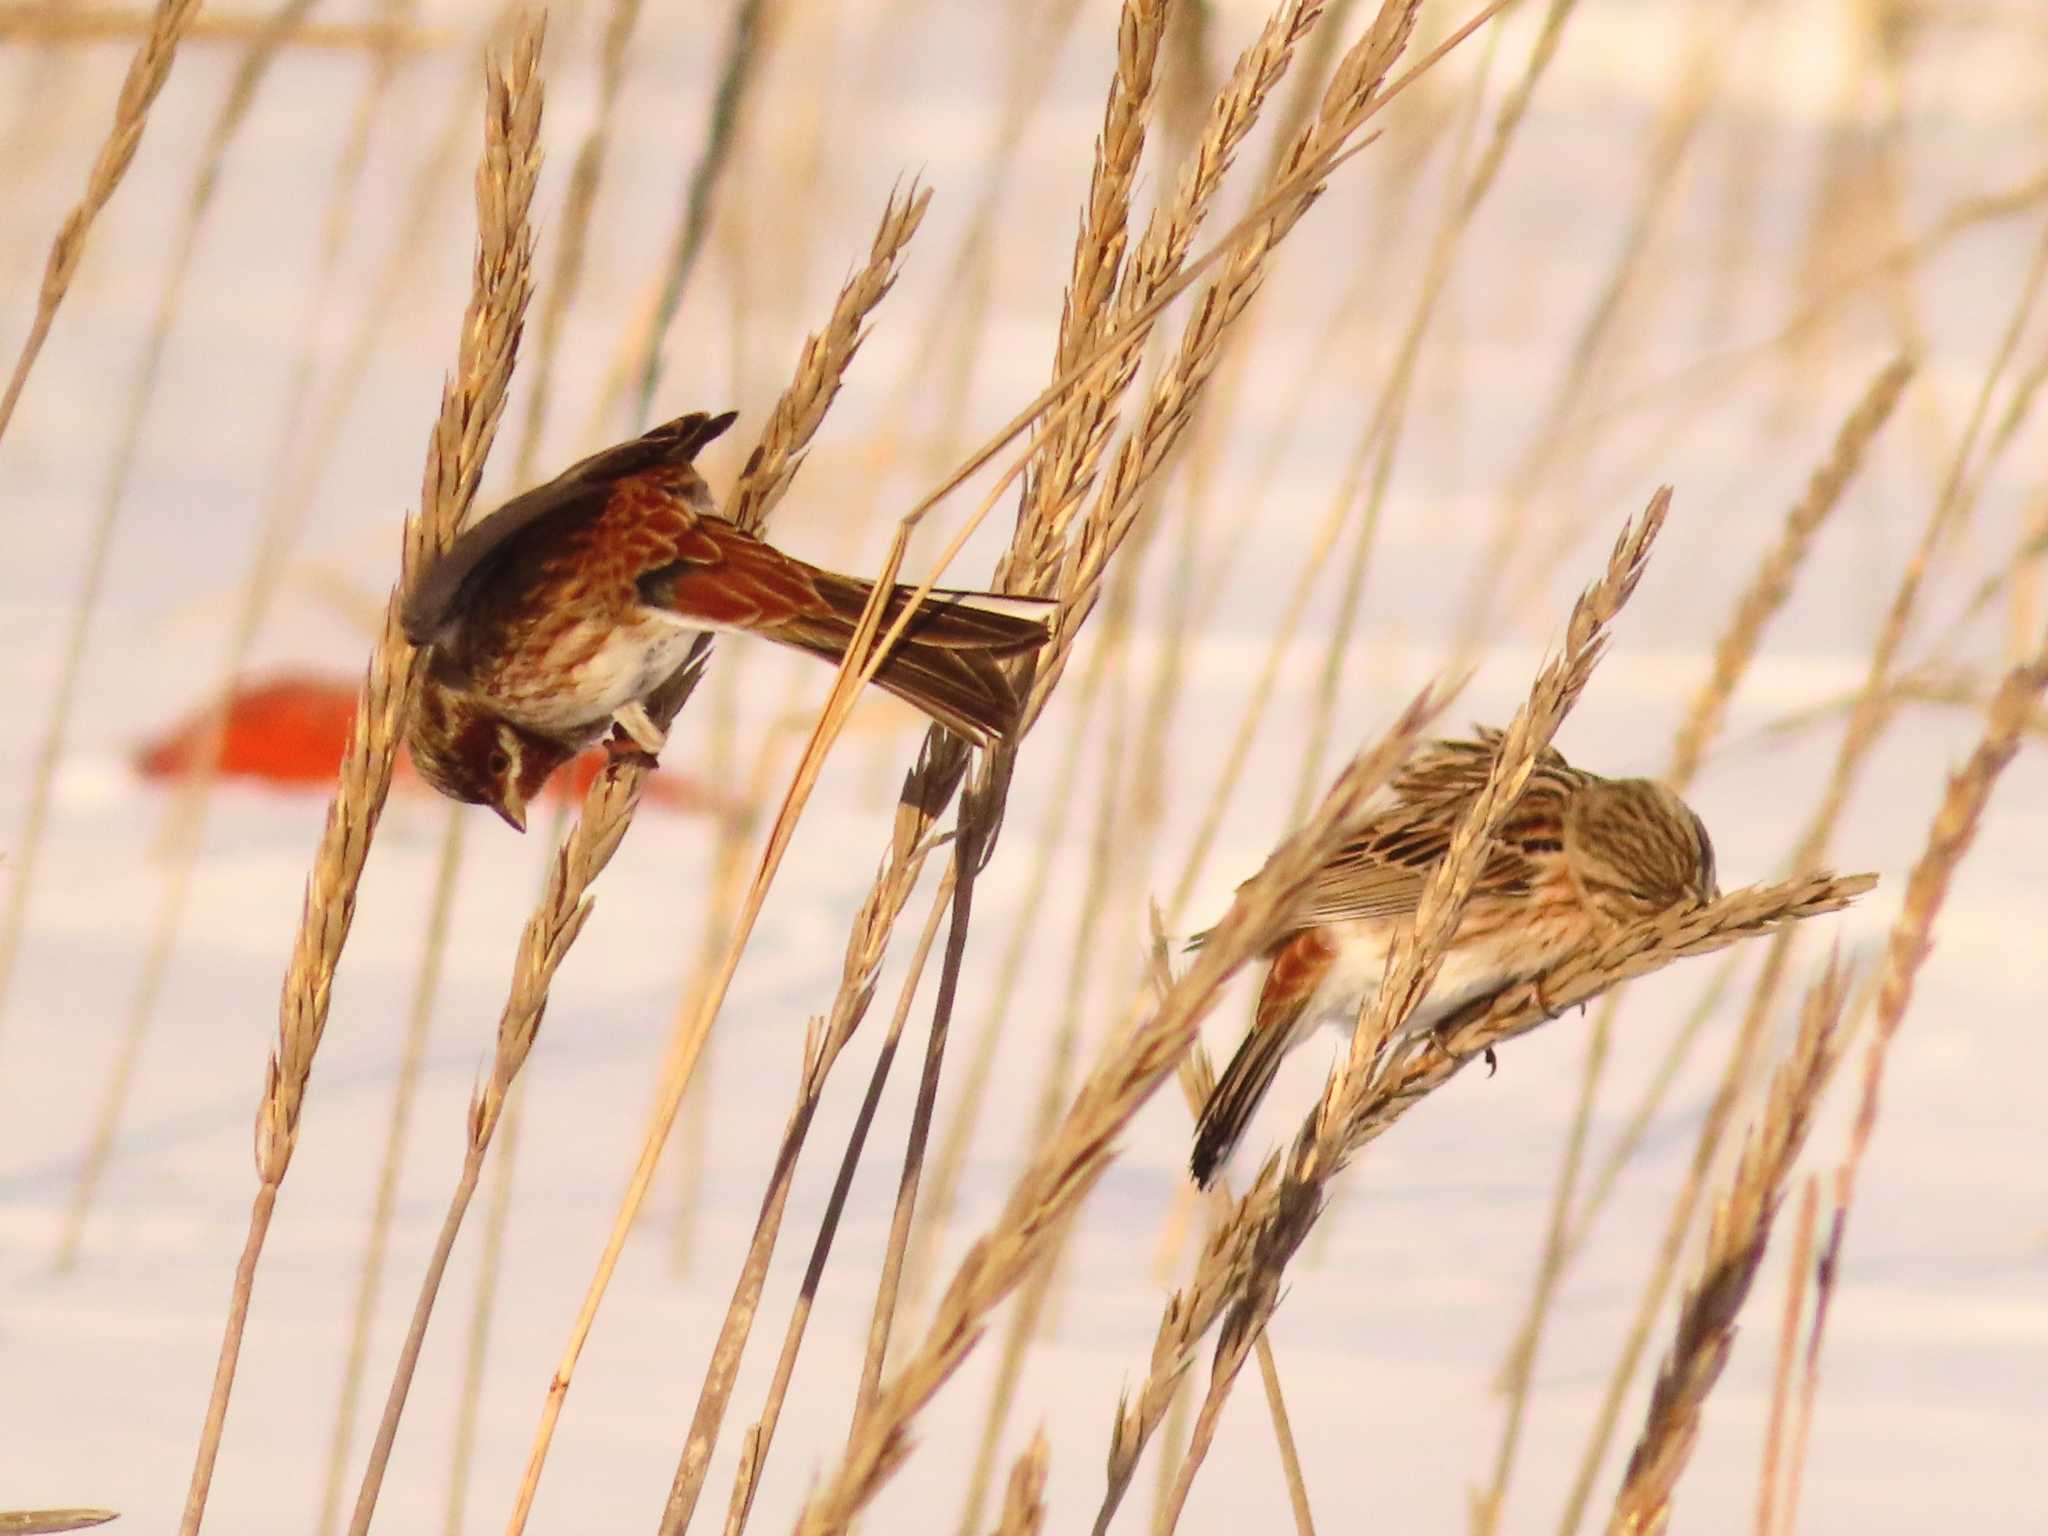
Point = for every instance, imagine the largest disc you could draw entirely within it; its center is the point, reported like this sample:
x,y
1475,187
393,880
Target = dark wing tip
x,y
682,439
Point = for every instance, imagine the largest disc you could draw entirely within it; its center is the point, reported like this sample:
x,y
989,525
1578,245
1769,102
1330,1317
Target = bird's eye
x,y
500,761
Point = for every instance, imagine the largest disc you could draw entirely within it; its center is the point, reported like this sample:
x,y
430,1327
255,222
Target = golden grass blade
x,y
405,1083
613,797
1066,1168
99,548
1054,1089
1769,588
147,72
1700,80
1788,1355
1868,719
1277,1216
471,404
186,819
55,25
1949,839
747,1480
1741,1228
1024,1497
1219,1274
483,1309
39,1522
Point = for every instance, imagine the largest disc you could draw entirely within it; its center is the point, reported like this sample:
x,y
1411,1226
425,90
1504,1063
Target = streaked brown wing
x,y
717,575
577,494
1380,873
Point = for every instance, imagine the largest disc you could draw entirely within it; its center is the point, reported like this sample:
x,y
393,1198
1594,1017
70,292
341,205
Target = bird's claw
x,y
1492,1060
638,728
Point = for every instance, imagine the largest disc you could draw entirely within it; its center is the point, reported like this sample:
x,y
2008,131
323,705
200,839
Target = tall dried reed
x,y
471,404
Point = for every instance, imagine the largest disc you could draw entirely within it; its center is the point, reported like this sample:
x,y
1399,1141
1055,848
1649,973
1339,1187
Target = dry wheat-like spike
x,y
1769,587
1798,1267
1772,582
1024,1499
1949,839
1735,1248
1067,456
1279,1220
614,795
573,238
1623,955
1068,1164
146,74
471,403
40,1522
1353,97
47,24
1869,715
822,365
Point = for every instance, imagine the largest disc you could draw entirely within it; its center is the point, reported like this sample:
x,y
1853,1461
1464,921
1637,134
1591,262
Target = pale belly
x,y
629,664
1354,979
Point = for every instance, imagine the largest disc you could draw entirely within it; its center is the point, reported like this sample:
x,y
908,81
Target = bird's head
x,y
473,755
1635,849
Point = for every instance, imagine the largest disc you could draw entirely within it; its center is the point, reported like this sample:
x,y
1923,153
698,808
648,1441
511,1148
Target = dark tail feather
x,y
1237,1094
949,662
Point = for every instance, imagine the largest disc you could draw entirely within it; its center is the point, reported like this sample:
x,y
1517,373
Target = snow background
x,y
1936,1371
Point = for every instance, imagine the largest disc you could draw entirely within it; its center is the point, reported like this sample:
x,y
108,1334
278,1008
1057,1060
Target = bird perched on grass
x,y
565,610
1578,854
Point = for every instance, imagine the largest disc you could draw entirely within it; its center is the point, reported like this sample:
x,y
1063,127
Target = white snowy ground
x,y
1935,1404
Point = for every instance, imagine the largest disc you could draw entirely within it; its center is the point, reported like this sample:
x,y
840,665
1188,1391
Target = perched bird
x,y
1577,854
567,608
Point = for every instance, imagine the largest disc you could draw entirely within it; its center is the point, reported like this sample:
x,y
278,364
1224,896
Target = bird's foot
x,y
1492,1061
639,729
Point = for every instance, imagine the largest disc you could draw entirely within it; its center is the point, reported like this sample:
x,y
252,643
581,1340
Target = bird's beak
x,y
513,810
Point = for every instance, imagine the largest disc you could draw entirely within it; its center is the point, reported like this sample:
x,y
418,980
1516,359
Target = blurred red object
x,y
290,730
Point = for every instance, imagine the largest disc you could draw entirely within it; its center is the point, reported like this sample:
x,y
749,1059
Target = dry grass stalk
x,y
561,290
1788,1354
747,1479
369,1280
1867,721
824,1041
1220,1272
1055,1084
1769,587
1699,81
1276,1223
1024,1498
483,1307
585,174
1049,501
1354,96
40,1522
1062,1172
736,74
1949,839
613,797
280,520
470,407
147,72
1735,1250
50,25
1771,583
937,1207
232,113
